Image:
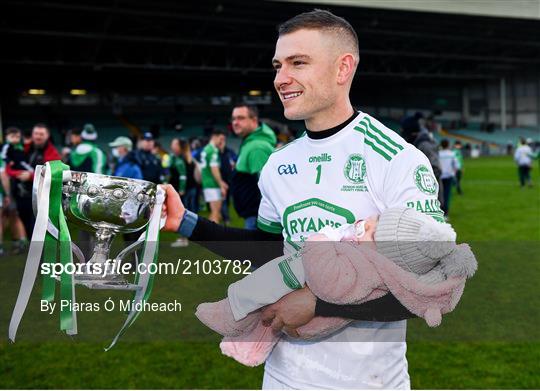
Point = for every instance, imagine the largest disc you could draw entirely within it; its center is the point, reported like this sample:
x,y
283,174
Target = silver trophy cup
x,y
105,205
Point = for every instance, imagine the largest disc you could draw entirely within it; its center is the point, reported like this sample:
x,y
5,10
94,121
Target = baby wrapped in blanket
x,y
401,251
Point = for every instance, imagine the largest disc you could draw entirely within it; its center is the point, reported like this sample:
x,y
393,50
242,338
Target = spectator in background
x,y
3,198
191,196
12,152
39,151
85,155
126,164
227,159
178,175
449,166
258,142
214,188
164,158
413,131
178,179
149,163
523,158
459,170
27,138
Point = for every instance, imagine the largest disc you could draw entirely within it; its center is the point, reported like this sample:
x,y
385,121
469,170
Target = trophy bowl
x,y
105,205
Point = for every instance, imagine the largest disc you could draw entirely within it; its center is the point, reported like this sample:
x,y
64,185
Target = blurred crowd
x,y
447,160
206,173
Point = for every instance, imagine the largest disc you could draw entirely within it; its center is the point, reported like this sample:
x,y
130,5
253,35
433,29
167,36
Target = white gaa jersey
x,y
358,172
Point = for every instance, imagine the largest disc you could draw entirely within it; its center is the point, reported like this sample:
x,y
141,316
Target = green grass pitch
x,y
491,341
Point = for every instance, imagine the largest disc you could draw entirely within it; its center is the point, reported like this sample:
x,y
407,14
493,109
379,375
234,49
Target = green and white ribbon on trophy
x,y
51,238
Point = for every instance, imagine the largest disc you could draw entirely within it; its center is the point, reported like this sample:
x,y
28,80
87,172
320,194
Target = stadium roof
x,y
526,9
166,43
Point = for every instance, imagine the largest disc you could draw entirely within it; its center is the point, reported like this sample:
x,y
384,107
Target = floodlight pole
x,y
503,104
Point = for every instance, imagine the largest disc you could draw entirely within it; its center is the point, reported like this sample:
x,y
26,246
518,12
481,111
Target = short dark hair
x,y
75,131
12,130
252,110
218,132
319,19
42,125
445,143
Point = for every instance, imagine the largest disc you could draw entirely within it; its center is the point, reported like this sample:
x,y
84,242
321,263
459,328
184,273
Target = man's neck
x,y
330,118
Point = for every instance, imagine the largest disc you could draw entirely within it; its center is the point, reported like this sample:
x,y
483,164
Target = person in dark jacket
x,y
13,163
258,142
126,165
149,163
38,152
227,159
413,131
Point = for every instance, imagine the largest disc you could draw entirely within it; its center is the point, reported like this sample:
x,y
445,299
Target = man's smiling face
x,y
305,65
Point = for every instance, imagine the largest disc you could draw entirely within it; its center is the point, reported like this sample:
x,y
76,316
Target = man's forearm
x,y
257,246
384,309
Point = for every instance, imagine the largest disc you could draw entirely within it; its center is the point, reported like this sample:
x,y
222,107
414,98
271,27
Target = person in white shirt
x,y
348,166
523,158
449,166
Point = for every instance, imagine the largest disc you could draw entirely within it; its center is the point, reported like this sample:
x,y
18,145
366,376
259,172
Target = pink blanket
x,y
344,273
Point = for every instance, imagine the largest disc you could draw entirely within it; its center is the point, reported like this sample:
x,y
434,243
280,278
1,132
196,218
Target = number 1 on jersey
x,y
319,169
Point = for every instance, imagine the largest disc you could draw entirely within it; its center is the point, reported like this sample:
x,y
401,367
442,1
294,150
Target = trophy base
x,y
108,285
111,281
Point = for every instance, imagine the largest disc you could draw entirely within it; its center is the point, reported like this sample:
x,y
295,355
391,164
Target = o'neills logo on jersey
x,y
323,157
355,171
287,169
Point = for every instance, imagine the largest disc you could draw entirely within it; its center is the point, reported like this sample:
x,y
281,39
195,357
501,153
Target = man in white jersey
x,y
348,166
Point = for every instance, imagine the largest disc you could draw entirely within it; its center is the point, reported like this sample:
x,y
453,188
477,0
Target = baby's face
x,y
370,225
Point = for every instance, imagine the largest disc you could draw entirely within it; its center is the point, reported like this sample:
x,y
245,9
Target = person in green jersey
x,y
214,188
86,156
459,171
258,143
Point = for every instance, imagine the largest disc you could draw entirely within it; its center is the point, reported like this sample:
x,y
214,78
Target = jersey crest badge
x,y
425,180
355,169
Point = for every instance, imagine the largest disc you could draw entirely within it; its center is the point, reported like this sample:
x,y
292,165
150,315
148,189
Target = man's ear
x,y
346,68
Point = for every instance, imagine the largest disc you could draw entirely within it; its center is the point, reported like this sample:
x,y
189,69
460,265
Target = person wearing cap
x,y
523,158
149,163
126,164
87,156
